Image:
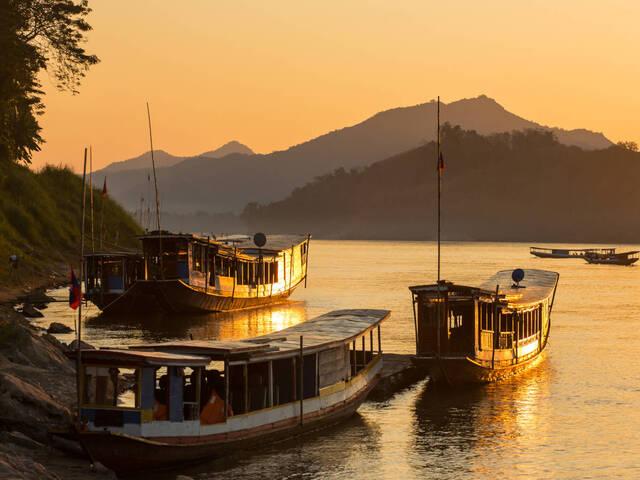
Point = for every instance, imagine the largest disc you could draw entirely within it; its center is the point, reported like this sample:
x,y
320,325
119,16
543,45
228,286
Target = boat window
x,y
258,381
237,388
283,381
161,394
461,314
111,387
359,355
196,257
191,393
309,376
252,274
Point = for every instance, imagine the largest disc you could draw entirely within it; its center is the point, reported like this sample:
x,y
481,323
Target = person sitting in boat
x,y
160,410
213,411
190,387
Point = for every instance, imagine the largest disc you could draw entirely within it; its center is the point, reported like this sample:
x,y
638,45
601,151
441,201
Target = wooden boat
x,y
156,406
482,334
191,273
569,252
622,258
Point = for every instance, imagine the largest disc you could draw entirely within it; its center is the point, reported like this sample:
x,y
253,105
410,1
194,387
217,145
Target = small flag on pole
x,y
75,292
104,187
440,164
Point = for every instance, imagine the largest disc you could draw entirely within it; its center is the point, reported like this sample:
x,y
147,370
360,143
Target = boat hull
x,y
556,255
127,455
612,261
464,370
175,296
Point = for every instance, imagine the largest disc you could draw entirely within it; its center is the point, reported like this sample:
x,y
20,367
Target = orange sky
x,y
273,74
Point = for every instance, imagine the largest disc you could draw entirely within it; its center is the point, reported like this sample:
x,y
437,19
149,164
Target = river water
x,y
576,415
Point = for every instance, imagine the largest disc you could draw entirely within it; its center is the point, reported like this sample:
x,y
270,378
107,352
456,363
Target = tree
x,y
37,35
628,145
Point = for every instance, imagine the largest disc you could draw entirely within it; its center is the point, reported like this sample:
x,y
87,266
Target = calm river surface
x,y
576,415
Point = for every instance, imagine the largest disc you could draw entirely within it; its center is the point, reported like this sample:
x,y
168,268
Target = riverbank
x,y
37,394
40,218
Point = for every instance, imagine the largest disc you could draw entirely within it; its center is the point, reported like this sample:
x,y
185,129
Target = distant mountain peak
x,y
164,159
227,149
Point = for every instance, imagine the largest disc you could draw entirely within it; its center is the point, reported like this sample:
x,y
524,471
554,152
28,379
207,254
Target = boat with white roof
x,y
467,334
156,406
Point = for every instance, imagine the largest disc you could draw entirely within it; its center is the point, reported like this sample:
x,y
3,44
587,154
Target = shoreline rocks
x,y
37,395
57,327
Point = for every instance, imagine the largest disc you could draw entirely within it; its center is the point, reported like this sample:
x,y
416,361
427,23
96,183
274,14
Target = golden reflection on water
x,y
472,430
576,415
210,326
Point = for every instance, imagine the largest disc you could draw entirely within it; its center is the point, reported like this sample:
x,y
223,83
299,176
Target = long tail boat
x,y
481,334
191,273
153,407
622,258
569,252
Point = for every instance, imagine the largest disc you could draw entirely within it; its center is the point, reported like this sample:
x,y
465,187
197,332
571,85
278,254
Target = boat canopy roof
x,y
326,331
536,286
242,243
125,357
117,254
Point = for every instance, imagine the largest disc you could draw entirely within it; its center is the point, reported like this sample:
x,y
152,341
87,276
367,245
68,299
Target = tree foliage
x,y
628,145
37,35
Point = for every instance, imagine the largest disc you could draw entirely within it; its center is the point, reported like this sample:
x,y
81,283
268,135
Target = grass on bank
x,y
40,215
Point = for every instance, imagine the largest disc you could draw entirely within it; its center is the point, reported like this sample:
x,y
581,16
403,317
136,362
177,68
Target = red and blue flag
x,y
75,292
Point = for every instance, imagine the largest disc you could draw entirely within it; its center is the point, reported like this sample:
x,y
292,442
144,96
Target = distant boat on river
x,y
482,334
151,407
179,272
569,252
622,258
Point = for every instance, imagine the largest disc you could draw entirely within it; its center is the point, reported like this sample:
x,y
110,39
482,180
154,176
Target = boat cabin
x,y
499,322
112,273
192,388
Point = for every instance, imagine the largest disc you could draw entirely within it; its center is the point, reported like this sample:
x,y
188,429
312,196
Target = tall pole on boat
x,y
79,326
439,169
155,184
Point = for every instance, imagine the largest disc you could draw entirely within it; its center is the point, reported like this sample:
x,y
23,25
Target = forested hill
x,y
40,217
228,184
522,186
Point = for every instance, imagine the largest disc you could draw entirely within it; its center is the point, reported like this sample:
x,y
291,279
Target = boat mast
x,y
439,172
79,327
438,167
155,183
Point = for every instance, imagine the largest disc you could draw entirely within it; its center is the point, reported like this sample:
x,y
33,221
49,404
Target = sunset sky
x,y
274,74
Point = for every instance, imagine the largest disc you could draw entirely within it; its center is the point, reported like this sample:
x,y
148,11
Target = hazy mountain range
x,y
227,184
163,159
514,187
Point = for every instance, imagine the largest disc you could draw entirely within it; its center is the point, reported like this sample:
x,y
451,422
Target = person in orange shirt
x,y
160,410
213,411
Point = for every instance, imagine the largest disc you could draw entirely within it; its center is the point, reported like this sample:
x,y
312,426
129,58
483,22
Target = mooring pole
x,y
301,387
